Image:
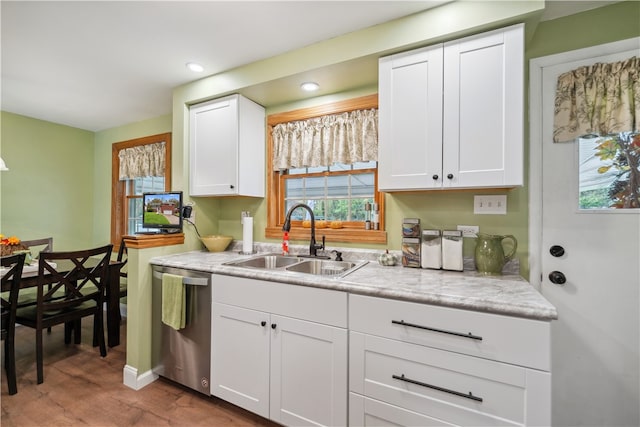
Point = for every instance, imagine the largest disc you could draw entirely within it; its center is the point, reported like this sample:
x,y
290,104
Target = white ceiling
x,y
98,65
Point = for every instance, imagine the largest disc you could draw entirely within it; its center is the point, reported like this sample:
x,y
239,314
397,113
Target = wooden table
x,y
29,279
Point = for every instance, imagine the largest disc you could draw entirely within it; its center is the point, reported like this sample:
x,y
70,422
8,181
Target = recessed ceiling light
x,y
195,67
310,86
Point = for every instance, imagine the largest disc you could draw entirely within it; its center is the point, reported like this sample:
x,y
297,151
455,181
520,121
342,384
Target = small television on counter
x,y
162,212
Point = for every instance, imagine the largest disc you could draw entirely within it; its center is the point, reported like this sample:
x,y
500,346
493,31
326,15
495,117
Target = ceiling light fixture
x,y
310,86
195,67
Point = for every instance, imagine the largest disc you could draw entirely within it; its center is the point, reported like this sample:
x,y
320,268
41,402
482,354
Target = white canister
x,y
452,250
431,251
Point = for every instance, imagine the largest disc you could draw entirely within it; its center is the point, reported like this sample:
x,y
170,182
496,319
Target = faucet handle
x,y
338,255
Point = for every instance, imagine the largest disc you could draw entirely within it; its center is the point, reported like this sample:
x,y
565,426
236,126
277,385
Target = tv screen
x,y
162,211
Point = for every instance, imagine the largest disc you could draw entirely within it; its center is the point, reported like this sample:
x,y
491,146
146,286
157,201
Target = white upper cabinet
x,y
227,148
451,115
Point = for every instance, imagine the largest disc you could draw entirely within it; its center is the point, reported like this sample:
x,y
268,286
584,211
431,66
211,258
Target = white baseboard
x,y
131,379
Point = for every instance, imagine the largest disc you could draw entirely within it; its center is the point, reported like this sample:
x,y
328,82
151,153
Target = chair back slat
x,y
13,264
39,245
84,279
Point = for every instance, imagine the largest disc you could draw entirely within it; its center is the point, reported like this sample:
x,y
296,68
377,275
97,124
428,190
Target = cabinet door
x,y
240,357
483,110
410,120
214,147
308,373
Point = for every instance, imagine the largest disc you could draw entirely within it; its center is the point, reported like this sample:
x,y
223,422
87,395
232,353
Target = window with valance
x,y
599,106
326,157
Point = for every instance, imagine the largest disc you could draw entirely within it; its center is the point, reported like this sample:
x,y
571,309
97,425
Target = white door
x,y
308,373
595,341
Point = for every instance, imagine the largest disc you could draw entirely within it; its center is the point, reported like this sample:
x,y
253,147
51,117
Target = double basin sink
x,y
298,264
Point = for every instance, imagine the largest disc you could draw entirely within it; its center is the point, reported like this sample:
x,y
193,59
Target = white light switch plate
x,y
490,205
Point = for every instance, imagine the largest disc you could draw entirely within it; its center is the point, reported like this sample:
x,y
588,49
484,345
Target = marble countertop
x,y
507,294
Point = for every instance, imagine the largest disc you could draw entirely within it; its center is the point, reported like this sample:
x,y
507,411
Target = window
x,y
337,192
609,168
126,194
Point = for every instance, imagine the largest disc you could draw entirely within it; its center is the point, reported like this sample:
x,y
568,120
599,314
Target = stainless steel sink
x,y
294,264
322,267
270,261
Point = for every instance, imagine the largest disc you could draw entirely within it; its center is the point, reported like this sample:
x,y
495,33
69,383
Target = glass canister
x,y
431,251
452,250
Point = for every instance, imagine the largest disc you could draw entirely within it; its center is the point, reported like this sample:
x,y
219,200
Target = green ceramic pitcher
x,y
489,256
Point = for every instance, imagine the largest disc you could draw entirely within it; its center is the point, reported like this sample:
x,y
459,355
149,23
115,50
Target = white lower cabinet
x,y
270,358
416,380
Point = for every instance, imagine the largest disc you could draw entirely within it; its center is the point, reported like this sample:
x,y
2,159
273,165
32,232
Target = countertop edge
x,y
543,311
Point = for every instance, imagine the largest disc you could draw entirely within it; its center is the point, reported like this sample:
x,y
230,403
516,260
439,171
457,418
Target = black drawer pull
x,y
434,387
442,331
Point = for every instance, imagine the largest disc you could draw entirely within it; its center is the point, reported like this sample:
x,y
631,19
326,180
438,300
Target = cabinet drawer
x,y
450,387
514,340
300,302
364,411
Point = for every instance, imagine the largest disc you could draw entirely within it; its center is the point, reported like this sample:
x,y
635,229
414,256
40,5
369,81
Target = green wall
x,y
48,190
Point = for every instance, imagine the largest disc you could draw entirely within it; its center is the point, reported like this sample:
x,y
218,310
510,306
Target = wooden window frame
x,y
119,199
275,183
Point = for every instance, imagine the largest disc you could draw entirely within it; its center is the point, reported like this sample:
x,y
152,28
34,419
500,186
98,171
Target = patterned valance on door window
x,y
598,99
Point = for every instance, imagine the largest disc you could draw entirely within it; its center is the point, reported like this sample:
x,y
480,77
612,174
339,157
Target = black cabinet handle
x,y
263,323
435,387
450,176
273,326
442,331
231,186
435,177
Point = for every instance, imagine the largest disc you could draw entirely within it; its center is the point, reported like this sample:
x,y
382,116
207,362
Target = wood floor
x,y
81,388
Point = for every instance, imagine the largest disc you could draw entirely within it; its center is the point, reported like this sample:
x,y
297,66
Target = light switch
x,y
490,205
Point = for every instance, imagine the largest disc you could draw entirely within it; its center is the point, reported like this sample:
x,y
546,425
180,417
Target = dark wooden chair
x,y
71,285
14,264
123,258
29,296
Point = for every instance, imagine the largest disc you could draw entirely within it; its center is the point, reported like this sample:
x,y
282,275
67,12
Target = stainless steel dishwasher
x,y
184,355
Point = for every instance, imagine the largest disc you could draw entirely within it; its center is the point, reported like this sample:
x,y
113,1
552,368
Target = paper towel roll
x,y
247,235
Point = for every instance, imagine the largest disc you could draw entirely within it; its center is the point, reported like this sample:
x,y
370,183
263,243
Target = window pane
x,y
606,177
362,185
338,186
357,208
315,187
338,210
317,169
138,186
294,188
365,165
297,171
339,167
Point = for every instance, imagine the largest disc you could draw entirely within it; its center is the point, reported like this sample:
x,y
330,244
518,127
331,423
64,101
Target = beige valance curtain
x,y
597,99
336,138
142,161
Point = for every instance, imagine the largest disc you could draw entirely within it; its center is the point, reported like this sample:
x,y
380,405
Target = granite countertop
x,y
508,294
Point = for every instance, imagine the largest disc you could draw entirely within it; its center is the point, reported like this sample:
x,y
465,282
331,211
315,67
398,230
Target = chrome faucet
x,y
313,246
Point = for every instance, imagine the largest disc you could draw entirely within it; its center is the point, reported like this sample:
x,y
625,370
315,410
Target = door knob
x,y
556,251
263,323
435,177
273,326
557,278
450,176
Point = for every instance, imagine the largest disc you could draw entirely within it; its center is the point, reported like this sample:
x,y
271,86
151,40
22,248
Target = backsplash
x,y
512,267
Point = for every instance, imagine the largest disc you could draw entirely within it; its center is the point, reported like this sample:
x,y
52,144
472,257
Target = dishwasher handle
x,y
197,281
